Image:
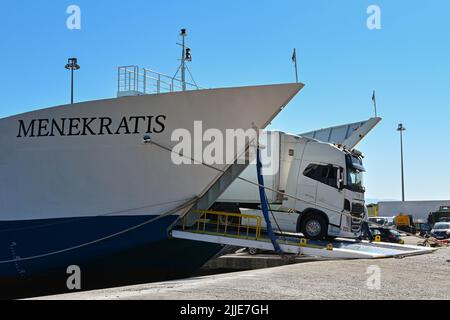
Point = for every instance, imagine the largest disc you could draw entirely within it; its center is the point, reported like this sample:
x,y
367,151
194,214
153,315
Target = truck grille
x,y
357,209
356,225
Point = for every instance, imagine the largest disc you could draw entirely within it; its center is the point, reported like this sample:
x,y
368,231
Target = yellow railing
x,y
234,225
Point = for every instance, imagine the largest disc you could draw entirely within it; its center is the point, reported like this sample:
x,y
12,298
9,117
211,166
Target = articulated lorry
x,y
315,188
442,215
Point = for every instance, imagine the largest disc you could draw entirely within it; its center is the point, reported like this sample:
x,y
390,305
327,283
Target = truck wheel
x,y
314,227
253,251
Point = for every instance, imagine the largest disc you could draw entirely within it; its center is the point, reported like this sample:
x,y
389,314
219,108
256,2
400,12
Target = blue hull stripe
x,y
144,249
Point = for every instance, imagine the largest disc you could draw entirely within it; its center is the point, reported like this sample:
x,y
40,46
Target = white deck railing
x,y
135,81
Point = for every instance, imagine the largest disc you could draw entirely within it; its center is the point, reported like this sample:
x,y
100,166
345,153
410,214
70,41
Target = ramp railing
x,y
241,230
232,225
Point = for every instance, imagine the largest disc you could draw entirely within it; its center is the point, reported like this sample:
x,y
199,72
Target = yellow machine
x,y
402,220
405,222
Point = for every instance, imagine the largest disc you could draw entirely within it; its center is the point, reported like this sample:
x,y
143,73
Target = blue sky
x,y
250,42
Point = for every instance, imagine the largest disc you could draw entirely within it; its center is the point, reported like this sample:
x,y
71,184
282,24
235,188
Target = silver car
x,y
441,230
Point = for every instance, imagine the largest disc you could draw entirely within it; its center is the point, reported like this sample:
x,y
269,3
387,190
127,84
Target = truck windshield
x,y
355,174
355,180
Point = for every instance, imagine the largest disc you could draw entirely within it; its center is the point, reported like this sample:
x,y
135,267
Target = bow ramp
x,y
245,231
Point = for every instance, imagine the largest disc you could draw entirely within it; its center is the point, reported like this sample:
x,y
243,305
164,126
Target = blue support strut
x,y
264,203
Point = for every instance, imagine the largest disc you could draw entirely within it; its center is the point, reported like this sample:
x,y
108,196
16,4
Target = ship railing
x,y
133,80
217,223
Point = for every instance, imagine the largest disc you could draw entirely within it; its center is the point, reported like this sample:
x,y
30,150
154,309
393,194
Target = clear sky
x,y
250,42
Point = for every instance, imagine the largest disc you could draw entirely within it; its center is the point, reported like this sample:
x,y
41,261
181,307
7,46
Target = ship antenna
x,y
185,57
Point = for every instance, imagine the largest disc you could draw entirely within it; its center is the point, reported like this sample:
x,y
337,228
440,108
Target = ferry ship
x,y
81,186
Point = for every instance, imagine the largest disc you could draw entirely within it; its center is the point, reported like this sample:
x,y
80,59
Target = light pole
x,y
72,65
401,128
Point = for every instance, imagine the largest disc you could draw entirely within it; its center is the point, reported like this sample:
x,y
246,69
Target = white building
x,y
418,209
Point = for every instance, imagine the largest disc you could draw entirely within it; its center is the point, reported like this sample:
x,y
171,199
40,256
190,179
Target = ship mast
x,y
185,57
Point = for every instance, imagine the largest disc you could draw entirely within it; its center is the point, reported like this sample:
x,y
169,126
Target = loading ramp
x,y
242,230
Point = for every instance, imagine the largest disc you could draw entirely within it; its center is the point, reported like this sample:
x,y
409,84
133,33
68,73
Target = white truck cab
x,y
329,182
319,186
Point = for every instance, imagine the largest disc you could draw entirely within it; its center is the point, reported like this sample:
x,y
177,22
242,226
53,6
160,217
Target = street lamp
x,y
72,65
401,128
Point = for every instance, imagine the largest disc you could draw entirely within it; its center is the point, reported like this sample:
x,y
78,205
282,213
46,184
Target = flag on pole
x,y
294,59
374,99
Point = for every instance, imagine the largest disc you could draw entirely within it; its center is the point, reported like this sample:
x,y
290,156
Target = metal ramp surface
x,y
245,231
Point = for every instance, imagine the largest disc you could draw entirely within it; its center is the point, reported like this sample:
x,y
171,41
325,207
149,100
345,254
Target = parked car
x,y
382,221
441,230
387,235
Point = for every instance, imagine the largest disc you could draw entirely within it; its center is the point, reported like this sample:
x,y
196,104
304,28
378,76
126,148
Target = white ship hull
x,y
88,160
59,176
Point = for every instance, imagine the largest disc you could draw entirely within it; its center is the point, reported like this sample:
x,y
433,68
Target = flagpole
x,y
375,104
